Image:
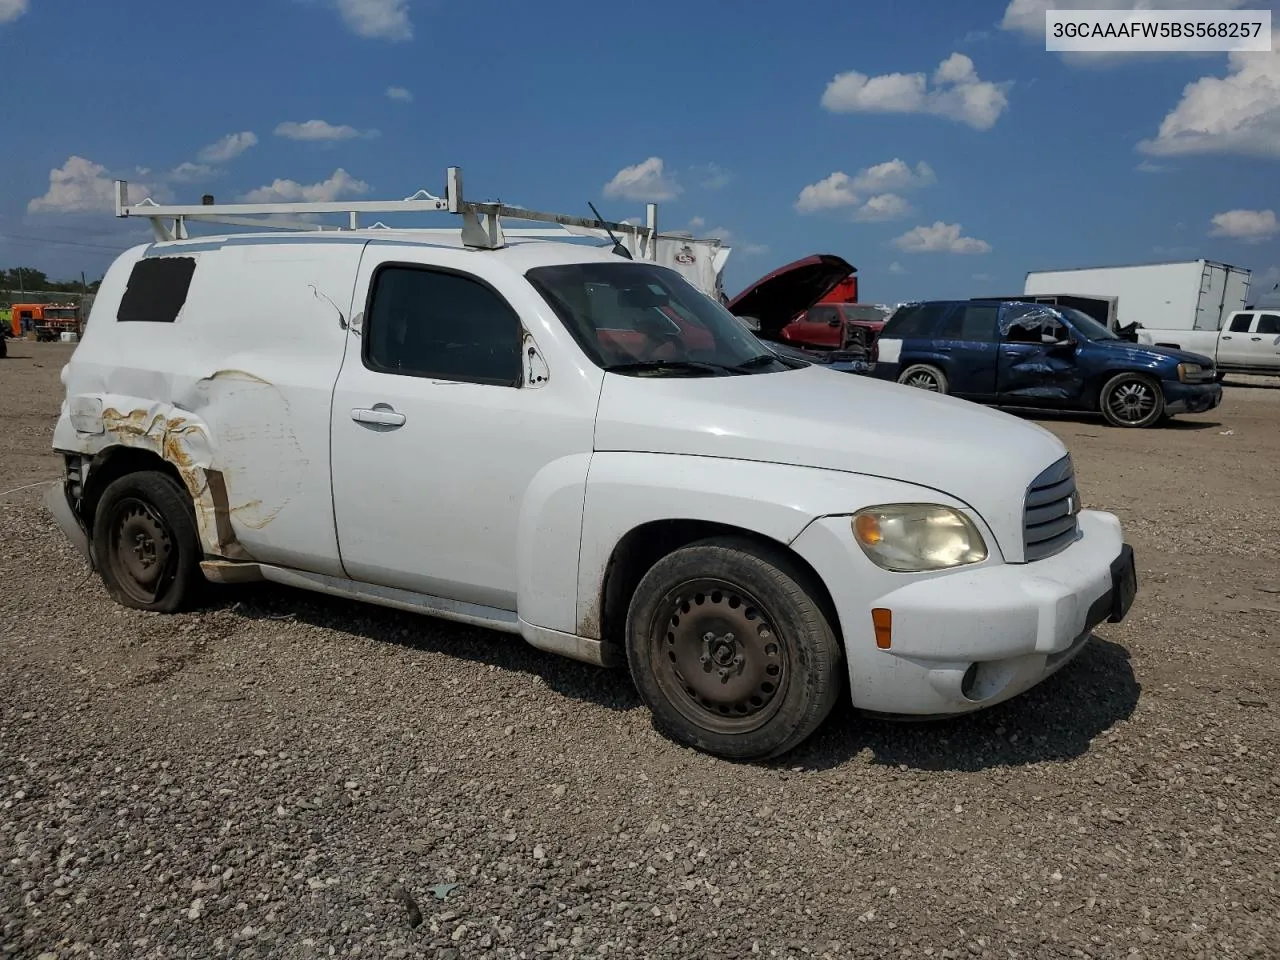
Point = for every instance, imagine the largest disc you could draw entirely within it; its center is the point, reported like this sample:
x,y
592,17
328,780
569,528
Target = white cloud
x,y
893,175
841,190
1146,166
940,238
957,93
290,191
752,249
228,148
696,224
82,186
884,206
319,130
399,93
835,191
1252,226
191,172
712,176
645,181
377,19
1238,113
11,10
897,268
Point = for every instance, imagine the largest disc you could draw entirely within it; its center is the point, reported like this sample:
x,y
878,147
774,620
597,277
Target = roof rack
x,y
481,221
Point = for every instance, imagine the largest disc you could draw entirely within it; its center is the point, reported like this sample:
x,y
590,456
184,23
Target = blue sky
x,y
944,150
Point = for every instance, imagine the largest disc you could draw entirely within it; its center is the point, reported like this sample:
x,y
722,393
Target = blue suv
x,y
1033,355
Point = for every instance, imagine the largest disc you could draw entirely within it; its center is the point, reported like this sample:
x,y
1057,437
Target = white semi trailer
x,y
1180,295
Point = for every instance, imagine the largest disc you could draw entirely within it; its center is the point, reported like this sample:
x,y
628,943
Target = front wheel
x,y
146,542
1131,400
925,377
730,650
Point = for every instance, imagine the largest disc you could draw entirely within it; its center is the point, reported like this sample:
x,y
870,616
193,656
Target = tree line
x,y
15,279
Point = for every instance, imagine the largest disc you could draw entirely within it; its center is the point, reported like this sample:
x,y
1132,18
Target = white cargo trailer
x,y
1180,295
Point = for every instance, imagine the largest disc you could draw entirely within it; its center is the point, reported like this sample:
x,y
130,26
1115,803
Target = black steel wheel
x,y
146,543
1131,400
730,650
924,377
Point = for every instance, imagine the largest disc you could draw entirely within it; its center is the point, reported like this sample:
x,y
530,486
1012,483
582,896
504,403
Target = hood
x,y
817,417
1153,355
775,299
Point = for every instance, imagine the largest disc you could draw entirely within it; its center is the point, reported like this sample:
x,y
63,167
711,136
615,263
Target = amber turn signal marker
x,y
866,527
882,617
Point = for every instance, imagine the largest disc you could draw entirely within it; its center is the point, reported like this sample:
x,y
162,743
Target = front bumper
x,y
58,504
1190,397
969,639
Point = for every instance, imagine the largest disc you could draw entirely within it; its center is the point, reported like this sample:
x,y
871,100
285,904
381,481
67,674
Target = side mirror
x,y
834,322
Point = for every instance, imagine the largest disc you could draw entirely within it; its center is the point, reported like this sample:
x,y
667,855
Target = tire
x,y
690,624
925,377
146,543
1131,400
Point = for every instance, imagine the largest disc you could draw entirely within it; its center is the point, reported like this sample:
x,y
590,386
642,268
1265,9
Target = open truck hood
x,y
775,299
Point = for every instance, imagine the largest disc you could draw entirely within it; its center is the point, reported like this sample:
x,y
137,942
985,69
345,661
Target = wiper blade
x,y
760,361
695,366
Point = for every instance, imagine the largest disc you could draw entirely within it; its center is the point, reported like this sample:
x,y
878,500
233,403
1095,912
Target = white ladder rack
x,y
481,221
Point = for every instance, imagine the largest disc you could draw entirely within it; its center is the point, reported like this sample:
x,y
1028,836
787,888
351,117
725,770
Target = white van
x,y
582,450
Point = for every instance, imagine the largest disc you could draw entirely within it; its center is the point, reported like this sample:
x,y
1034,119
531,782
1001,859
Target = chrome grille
x,y
1049,516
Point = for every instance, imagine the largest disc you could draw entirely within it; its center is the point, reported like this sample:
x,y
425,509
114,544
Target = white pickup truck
x,y
1249,342
578,449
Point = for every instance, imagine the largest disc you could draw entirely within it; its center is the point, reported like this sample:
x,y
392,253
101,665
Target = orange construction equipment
x,y
44,321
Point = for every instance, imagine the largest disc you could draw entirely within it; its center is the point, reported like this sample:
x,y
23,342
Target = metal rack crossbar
x,y
481,221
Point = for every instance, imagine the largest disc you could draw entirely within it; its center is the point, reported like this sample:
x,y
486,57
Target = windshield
x,y
640,318
1085,325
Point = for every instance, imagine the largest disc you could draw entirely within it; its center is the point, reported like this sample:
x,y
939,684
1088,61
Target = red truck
x,y
812,303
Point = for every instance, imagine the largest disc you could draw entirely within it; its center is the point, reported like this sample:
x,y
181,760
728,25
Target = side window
x,y
917,320
424,322
1268,323
1240,322
1024,323
823,314
972,322
157,290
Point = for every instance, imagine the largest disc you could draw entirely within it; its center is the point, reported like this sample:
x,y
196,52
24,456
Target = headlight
x,y
914,537
1189,371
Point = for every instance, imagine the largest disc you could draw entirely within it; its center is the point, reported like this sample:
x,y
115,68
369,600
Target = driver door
x,y
1035,362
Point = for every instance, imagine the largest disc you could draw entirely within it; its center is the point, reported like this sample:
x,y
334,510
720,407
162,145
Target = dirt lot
x,y
284,775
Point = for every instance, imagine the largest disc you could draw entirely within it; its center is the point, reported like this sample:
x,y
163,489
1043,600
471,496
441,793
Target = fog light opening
x,y
968,680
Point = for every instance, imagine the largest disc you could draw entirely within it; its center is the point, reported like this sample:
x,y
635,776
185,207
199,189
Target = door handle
x,y
1255,339
1226,338
380,414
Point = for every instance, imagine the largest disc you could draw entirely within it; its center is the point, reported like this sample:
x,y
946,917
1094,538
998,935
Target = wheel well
x,y
637,552
112,464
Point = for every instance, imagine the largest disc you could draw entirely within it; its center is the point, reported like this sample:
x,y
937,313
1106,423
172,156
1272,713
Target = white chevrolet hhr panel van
x,y
557,442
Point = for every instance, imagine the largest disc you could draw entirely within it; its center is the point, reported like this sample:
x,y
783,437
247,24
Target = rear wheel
x,y
146,543
1131,400
730,650
924,376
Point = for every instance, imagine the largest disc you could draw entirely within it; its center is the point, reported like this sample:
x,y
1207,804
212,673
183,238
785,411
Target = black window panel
x,y
823,314
916,320
1268,323
972,322
447,326
1241,322
157,289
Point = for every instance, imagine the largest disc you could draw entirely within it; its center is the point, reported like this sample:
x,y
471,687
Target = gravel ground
x,y
289,776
